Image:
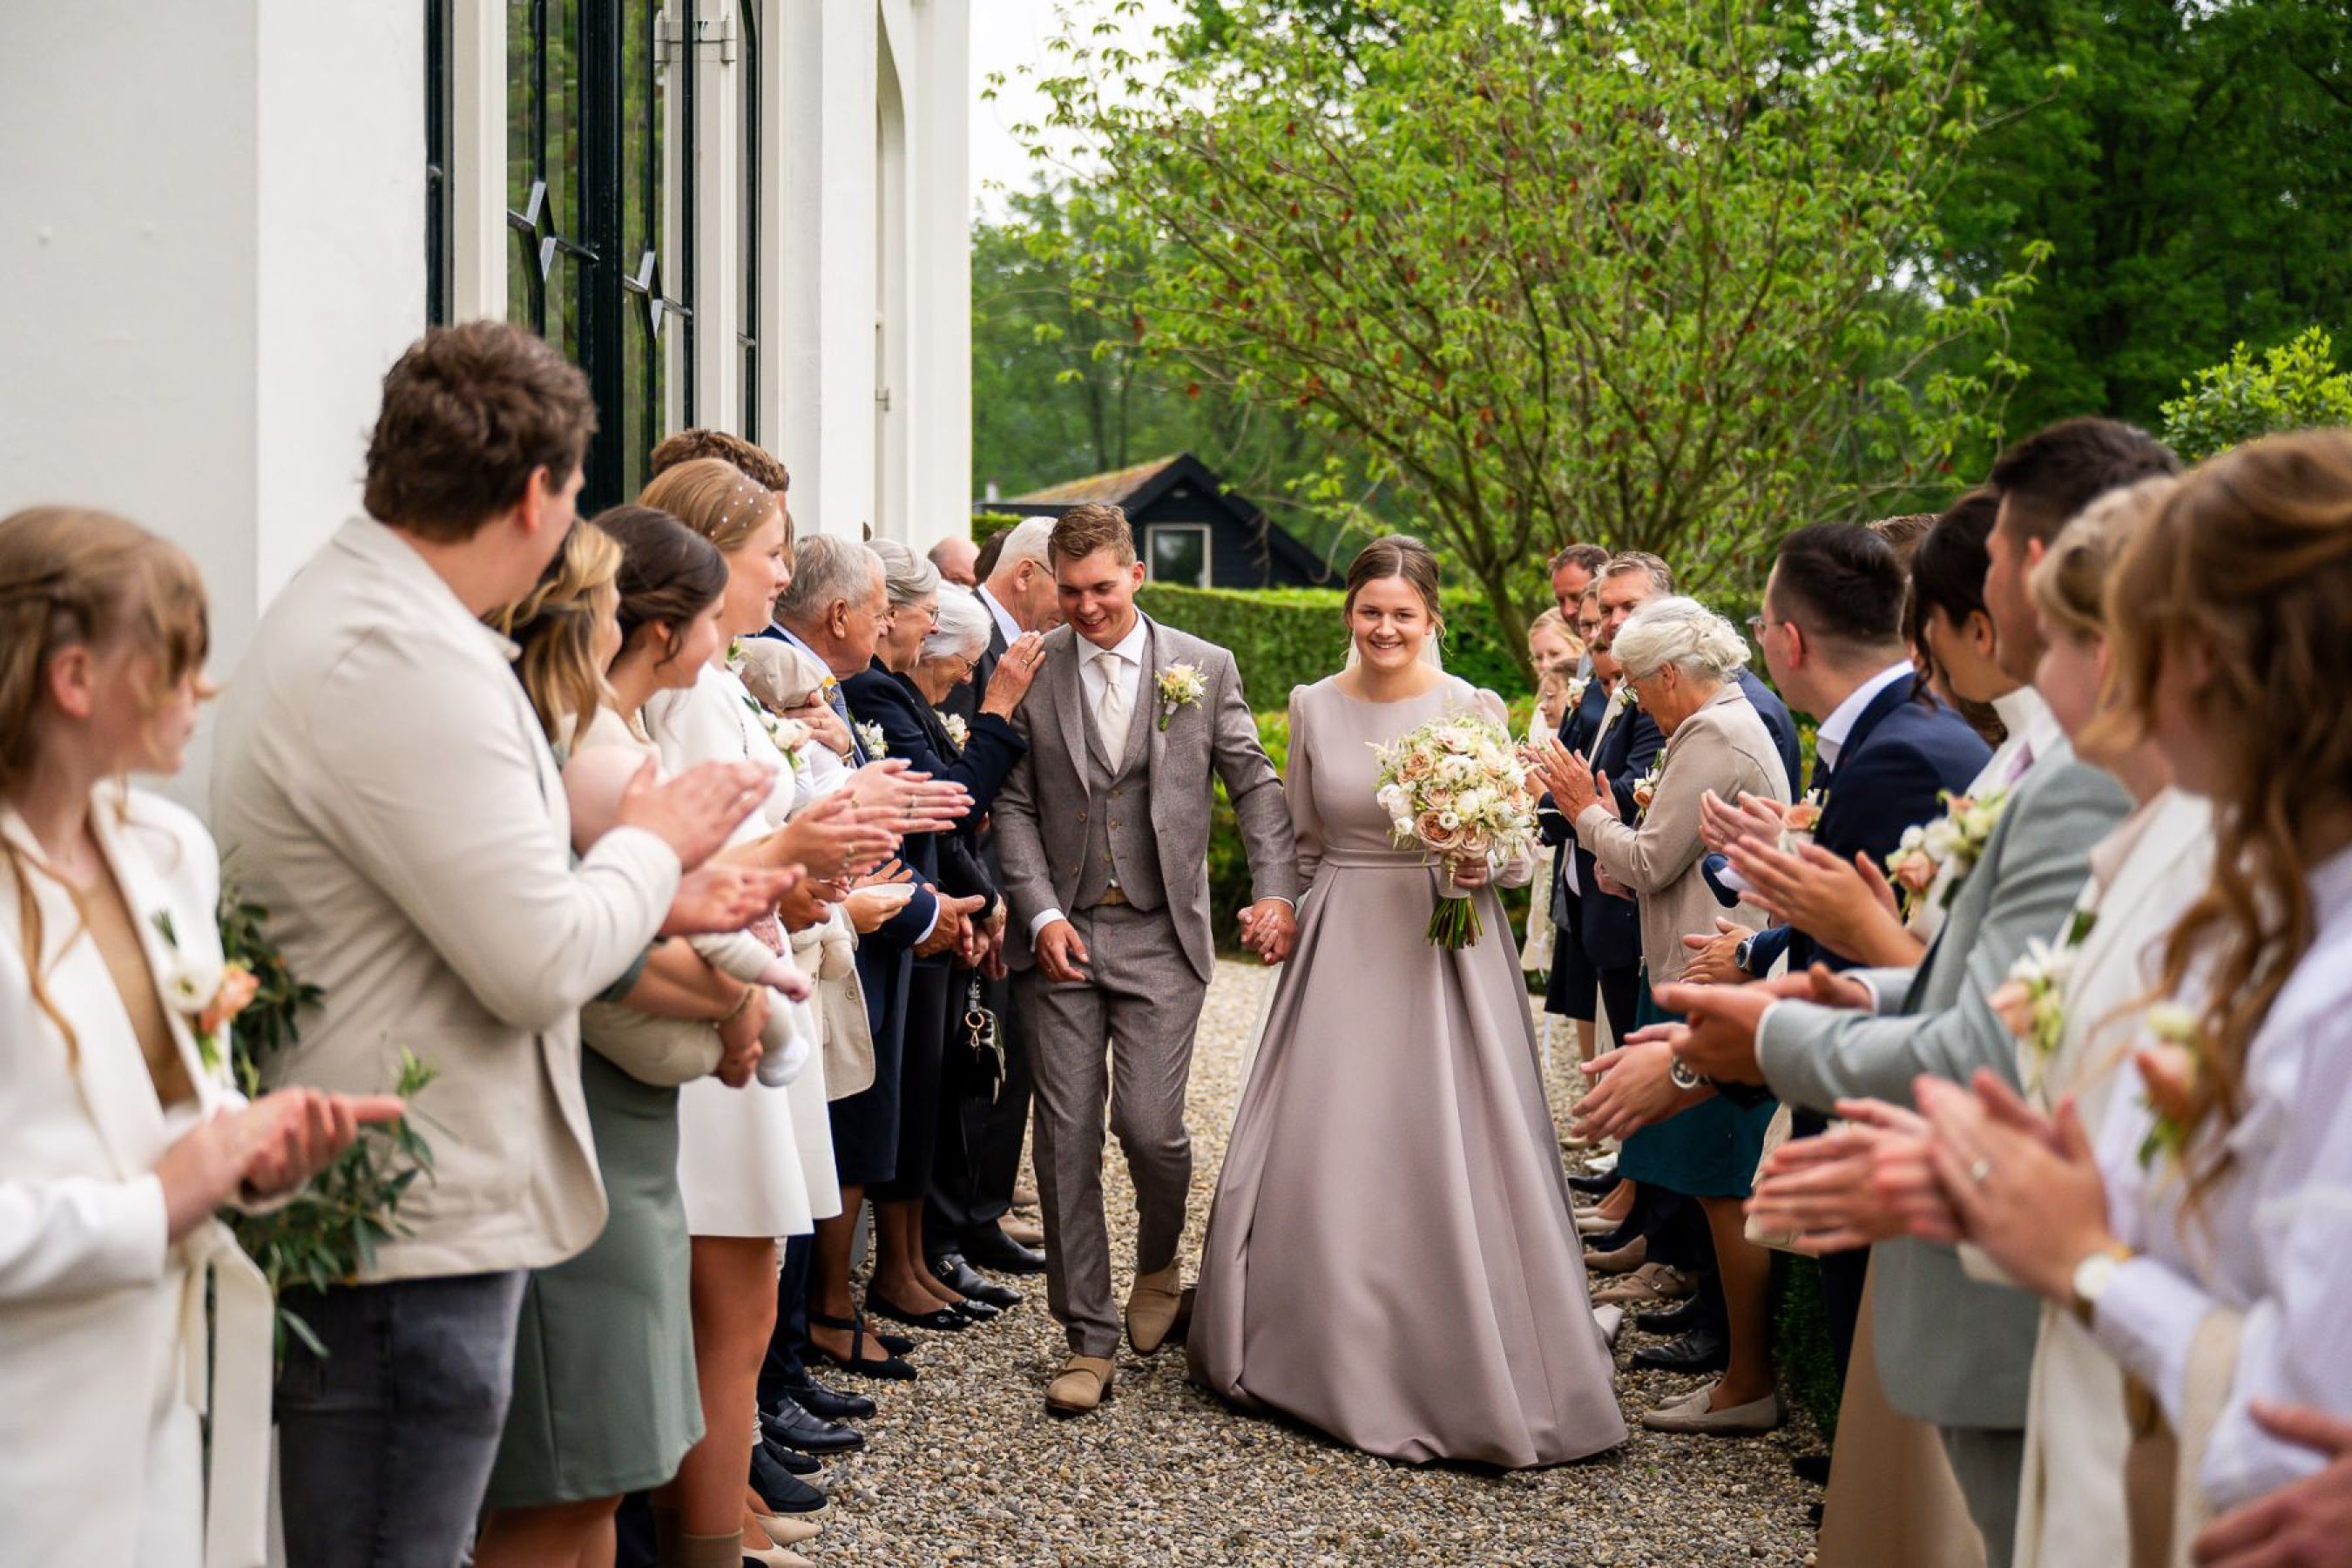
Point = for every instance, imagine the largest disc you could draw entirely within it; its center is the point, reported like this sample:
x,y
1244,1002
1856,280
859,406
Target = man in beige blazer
x,y
384,788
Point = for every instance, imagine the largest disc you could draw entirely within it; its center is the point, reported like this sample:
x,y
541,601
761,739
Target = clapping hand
x,y
267,1148
1633,1089
1721,825
722,896
695,812
2026,1188
1845,905
1714,957
1865,1181
916,803
1571,784
835,834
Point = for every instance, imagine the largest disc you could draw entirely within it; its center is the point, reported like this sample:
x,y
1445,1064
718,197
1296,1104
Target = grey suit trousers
x,y
1126,1033
1988,1461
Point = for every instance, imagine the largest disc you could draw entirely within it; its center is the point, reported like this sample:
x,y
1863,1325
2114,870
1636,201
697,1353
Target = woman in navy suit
x,y
926,650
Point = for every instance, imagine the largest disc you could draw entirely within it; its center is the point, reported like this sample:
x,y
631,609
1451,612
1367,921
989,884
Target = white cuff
x,y
2148,1317
1037,927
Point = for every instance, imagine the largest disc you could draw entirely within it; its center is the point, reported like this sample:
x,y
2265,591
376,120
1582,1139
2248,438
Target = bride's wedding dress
x,y
1392,1256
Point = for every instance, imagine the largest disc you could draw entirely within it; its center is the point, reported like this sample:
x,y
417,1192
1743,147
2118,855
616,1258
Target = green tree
x,y
2187,163
2295,387
1555,271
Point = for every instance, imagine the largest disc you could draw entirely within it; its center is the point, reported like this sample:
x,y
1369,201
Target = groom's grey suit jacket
x,y
1042,813
1951,1350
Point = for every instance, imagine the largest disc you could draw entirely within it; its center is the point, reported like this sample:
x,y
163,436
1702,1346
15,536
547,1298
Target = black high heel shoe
x,y
944,1319
971,1308
891,1370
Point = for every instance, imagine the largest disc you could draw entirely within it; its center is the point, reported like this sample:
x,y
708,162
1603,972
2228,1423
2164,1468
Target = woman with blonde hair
x,y
120,1130
2202,1235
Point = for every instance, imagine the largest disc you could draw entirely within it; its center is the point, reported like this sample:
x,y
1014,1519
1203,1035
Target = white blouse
x,y
2272,1239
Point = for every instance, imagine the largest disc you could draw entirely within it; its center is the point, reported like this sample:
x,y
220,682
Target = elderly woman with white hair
x,y
1682,664
929,642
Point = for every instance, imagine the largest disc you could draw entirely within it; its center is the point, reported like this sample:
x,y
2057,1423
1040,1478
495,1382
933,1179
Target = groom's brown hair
x,y
1083,530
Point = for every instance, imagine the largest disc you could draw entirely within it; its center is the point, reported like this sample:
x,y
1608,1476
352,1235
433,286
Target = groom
x,y
1103,832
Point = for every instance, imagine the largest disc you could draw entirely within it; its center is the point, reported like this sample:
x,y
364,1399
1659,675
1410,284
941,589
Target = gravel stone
x,y
964,1466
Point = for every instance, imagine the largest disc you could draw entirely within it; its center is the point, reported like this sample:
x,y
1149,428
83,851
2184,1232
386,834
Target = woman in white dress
x,y
121,1133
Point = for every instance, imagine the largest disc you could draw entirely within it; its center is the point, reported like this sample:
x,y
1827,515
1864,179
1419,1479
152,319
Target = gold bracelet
x,y
740,1002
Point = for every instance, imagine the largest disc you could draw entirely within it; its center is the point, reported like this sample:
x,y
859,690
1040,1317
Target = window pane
x,y
1179,556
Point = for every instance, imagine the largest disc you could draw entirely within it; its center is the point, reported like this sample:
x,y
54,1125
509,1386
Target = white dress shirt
x,y
1005,621
1830,740
2272,1239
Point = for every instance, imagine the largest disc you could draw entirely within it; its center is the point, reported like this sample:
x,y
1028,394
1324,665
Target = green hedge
x,y
1284,637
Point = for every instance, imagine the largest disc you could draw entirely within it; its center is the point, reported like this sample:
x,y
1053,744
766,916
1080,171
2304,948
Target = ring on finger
x,y
1981,1170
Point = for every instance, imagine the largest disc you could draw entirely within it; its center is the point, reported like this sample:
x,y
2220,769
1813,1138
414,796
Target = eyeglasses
x,y
1757,626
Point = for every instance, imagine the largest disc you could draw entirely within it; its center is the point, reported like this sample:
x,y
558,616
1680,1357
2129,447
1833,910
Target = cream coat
x,y
384,789
102,1331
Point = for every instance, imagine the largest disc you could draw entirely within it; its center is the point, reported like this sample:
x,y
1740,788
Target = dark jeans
x,y
385,1444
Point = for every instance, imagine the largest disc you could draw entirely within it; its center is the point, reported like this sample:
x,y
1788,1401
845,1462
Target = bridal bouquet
x,y
1455,788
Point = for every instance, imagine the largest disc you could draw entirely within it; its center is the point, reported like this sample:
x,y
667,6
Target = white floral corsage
x,y
210,994
1955,839
1645,788
1180,685
958,732
1799,823
1577,685
2179,1044
869,736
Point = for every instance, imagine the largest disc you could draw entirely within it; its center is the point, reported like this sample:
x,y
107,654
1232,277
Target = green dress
x,y
1707,1152
605,1400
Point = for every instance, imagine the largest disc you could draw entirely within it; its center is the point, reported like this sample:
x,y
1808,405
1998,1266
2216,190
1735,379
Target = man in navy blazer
x,y
1832,631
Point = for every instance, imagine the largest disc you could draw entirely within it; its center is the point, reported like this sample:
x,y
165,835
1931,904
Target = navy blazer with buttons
x,y
1902,753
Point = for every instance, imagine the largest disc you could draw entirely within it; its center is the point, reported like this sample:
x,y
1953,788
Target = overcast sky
x,y
1005,35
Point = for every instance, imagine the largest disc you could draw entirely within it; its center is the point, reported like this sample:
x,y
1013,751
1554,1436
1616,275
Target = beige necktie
x,y
1112,706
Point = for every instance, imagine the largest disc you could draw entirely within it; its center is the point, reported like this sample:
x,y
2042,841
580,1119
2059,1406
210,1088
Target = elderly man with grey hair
x,y
1682,663
956,557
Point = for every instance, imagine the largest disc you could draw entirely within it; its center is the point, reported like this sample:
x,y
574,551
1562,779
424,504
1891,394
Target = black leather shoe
x,y
989,1248
1691,1312
1701,1350
944,1319
950,1269
1598,1186
782,1490
1813,1467
1622,1236
975,1310
793,1425
792,1460
890,1368
831,1404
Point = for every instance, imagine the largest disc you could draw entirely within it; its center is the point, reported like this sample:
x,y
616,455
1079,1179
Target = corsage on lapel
x,y
210,995
1180,685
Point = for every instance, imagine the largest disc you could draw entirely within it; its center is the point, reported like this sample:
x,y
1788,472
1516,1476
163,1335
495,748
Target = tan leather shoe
x,y
1624,1261
785,1531
1027,1232
1648,1286
1024,1197
1690,1413
1153,1308
1083,1384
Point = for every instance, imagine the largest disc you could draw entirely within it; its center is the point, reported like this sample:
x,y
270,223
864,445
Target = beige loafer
x,y
1081,1386
1691,1414
787,1531
1153,1307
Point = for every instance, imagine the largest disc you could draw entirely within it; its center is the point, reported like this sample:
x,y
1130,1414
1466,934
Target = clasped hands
x,y
1269,929
262,1150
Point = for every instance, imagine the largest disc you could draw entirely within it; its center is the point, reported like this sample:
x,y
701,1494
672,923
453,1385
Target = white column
x,y
821,270
939,390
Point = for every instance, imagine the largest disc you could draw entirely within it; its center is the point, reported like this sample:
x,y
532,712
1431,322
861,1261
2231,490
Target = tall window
x,y
595,195
747,335
437,192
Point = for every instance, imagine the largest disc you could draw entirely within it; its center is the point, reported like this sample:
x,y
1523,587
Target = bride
x,y
1392,1256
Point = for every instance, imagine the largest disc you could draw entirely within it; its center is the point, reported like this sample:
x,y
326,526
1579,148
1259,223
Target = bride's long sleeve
x,y
1298,790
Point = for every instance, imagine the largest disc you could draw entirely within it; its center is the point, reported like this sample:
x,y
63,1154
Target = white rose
x,y
194,983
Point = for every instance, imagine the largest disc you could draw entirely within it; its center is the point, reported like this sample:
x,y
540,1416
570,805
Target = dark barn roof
x,y
1280,559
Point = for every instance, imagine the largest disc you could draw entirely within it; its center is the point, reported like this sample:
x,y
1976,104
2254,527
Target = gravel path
x,y
965,1466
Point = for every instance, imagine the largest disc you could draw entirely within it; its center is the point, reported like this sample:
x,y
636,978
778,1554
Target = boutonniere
x,y
1577,686
1180,685
211,995
788,735
1623,697
1799,823
2031,1002
958,732
1645,788
1956,840
734,652
2171,1086
870,737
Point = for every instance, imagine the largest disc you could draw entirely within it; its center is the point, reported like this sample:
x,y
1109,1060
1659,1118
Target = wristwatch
x,y
1679,1074
1739,954
2091,1278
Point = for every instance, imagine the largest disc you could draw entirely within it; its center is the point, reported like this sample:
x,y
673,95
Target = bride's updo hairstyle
x,y
72,578
555,627
1397,555
2247,571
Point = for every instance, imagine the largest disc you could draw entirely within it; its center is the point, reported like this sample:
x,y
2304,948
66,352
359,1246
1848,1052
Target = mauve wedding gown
x,y
1392,1256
